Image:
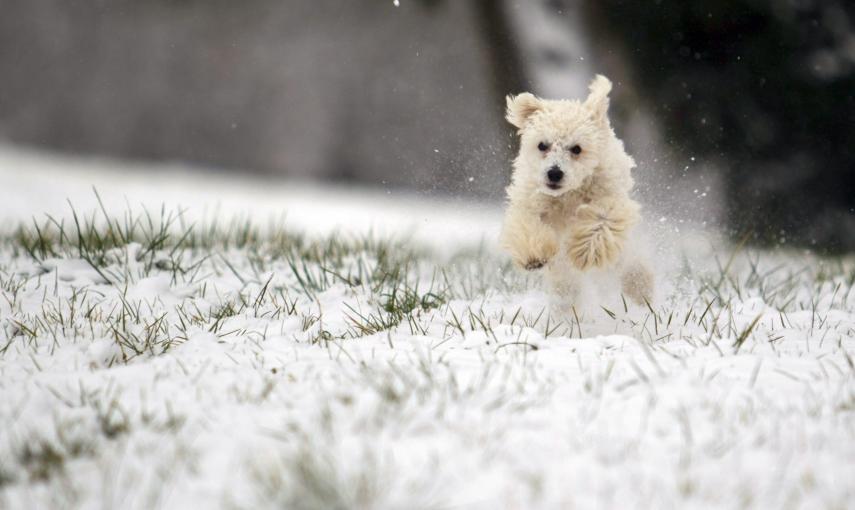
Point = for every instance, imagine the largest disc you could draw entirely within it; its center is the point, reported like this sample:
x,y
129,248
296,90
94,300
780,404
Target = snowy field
x,y
250,345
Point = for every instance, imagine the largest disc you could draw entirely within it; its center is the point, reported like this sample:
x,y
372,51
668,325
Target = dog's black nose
x,y
554,174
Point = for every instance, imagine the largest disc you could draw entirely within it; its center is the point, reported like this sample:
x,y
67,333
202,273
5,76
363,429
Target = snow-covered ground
x,y
338,348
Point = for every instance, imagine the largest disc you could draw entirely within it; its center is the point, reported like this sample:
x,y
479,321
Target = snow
x,y
493,399
54,181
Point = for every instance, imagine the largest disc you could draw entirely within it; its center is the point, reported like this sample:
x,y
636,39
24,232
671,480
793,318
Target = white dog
x,y
569,209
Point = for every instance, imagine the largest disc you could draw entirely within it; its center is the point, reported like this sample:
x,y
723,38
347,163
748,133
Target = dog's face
x,y
560,141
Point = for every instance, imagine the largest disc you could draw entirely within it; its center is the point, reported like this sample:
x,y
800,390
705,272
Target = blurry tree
x,y
765,87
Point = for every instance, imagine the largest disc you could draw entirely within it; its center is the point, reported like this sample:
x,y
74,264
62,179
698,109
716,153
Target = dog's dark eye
x,y
576,150
543,146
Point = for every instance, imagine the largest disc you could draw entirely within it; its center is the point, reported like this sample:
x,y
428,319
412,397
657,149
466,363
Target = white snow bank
x,y
37,183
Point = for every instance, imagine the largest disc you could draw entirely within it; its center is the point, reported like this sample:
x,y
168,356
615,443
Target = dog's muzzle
x,y
554,176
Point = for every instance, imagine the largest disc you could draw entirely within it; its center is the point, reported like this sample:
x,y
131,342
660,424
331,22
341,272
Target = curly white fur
x,y
581,220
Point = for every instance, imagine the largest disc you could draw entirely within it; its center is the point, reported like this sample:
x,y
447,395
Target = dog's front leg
x,y
530,242
599,232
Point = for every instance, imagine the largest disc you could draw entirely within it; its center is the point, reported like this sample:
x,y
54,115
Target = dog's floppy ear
x,y
521,107
598,99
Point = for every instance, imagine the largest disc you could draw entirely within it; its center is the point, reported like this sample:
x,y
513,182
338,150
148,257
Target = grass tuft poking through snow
x,y
150,362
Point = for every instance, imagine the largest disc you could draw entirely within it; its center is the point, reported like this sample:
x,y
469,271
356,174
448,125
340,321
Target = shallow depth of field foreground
x,y
148,360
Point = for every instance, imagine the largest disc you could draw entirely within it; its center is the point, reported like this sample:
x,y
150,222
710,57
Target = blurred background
x,y
740,113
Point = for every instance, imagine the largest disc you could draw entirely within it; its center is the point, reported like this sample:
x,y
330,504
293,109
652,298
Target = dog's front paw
x,y
593,243
599,251
534,264
535,252
541,250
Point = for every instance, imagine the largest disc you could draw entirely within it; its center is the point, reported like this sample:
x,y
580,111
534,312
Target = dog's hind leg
x,y
564,284
637,281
